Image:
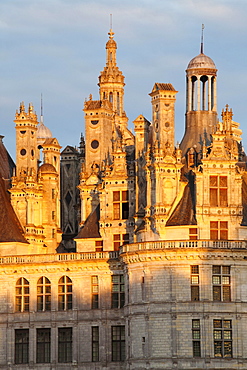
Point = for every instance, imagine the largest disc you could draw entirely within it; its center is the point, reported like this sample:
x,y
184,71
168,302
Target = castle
x,y
151,269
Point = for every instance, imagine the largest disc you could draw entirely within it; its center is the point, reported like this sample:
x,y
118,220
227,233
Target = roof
x,y
201,61
69,149
43,131
91,226
163,86
10,227
184,213
6,163
47,168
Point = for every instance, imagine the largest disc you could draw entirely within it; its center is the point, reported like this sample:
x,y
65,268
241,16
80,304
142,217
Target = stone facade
x,y
155,277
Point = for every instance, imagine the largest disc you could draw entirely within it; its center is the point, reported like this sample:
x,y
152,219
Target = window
x,y
53,193
43,346
196,338
194,279
221,283
95,343
53,215
65,293
222,338
21,346
43,294
120,239
98,245
120,205
218,230
218,191
64,344
95,291
193,233
118,343
22,295
117,291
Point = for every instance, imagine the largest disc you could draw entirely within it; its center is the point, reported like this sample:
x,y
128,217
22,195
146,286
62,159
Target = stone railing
x,y
151,245
167,244
64,257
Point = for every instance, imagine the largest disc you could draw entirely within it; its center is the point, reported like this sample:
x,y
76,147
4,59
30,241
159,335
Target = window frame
x,y
65,293
95,344
222,345
118,291
118,344
194,283
196,337
43,294
21,346
43,345
22,295
221,288
120,200
65,345
94,292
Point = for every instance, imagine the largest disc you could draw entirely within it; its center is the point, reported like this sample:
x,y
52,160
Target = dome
x,y
43,132
111,44
47,168
201,61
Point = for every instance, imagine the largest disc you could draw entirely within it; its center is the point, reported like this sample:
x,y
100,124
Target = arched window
x,y
64,293
22,295
43,294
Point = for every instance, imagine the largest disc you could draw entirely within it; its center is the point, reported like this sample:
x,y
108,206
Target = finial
x,y
202,39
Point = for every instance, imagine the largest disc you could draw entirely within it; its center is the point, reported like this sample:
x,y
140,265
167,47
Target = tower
x,y
163,103
111,80
201,102
26,142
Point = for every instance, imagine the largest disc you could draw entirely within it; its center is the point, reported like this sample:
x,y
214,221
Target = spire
x,y
202,39
41,109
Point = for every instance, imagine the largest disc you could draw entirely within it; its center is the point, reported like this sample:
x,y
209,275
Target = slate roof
x,y
6,163
184,213
91,226
10,227
163,86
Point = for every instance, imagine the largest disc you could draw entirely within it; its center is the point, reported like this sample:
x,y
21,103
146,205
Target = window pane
x,y
213,197
213,234
226,270
213,181
217,334
124,195
194,269
195,293
223,181
223,235
216,293
217,349
227,349
216,280
194,279
225,279
196,349
223,197
195,324
216,269
116,196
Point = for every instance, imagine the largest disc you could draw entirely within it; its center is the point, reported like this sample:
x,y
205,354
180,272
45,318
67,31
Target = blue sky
x,y
57,48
